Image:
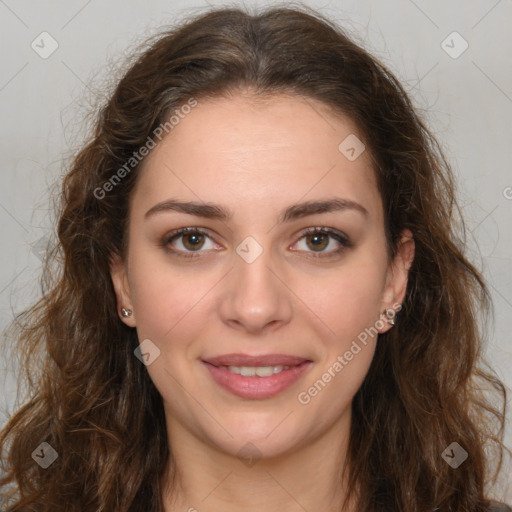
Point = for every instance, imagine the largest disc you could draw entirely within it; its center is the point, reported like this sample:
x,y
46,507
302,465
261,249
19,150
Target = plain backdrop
x,y
452,57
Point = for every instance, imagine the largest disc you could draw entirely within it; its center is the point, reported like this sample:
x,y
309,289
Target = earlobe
x,y
119,276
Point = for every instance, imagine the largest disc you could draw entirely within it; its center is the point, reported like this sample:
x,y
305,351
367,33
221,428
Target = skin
x,y
256,158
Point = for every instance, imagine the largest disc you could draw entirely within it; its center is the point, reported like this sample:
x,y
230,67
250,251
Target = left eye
x,y
320,238
192,240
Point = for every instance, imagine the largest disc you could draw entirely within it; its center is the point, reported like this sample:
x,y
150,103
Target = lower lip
x,y
257,387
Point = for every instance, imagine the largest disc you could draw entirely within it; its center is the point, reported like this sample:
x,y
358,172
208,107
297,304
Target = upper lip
x,y
261,360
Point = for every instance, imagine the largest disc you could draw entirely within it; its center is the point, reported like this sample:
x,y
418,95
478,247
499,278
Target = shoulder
x,y
499,507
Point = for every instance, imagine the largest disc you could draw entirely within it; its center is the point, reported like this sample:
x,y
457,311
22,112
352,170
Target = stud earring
x,y
126,312
390,315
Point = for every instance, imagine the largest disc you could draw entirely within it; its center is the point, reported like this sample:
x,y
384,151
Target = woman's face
x,y
253,283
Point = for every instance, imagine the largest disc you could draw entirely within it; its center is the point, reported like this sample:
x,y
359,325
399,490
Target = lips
x,y
257,387
229,371
262,360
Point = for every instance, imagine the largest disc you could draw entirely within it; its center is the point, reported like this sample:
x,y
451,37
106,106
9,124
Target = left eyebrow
x,y
293,212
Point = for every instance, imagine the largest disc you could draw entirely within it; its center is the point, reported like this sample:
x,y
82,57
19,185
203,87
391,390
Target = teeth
x,y
253,371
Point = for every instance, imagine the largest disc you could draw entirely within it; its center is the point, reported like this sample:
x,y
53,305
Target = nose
x,y
255,297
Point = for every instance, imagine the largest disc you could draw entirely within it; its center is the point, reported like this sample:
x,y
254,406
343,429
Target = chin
x,y
268,435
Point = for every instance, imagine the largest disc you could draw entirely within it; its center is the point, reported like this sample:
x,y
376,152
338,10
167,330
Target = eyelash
x,y
338,236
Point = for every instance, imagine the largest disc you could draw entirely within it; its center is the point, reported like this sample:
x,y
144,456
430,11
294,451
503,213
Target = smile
x,y
253,371
257,382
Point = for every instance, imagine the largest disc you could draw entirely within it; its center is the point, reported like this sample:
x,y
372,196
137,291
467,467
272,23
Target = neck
x,y
202,478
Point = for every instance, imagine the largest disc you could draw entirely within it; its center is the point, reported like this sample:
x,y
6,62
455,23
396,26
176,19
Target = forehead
x,y
250,149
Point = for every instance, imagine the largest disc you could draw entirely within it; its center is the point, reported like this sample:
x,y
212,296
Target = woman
x,y
262,300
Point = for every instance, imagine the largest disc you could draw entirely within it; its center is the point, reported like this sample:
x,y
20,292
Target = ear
x,y
397,277
119,275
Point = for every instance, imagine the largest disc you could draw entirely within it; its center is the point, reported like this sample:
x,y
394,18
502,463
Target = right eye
x,y
191,240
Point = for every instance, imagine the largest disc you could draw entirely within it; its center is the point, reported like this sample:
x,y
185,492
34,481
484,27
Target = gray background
x,y
466,99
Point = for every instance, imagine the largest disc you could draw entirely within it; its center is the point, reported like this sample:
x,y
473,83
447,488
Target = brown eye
x,y
187,241
319,241
193,241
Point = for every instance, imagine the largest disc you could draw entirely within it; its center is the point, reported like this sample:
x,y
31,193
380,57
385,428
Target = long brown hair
x,y
93,402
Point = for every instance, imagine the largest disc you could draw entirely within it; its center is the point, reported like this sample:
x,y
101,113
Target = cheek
x,y
162,304
346,300
169,301
348,306
359,297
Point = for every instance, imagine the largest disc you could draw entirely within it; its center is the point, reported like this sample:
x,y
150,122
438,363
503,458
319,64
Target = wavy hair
x,y
95,404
